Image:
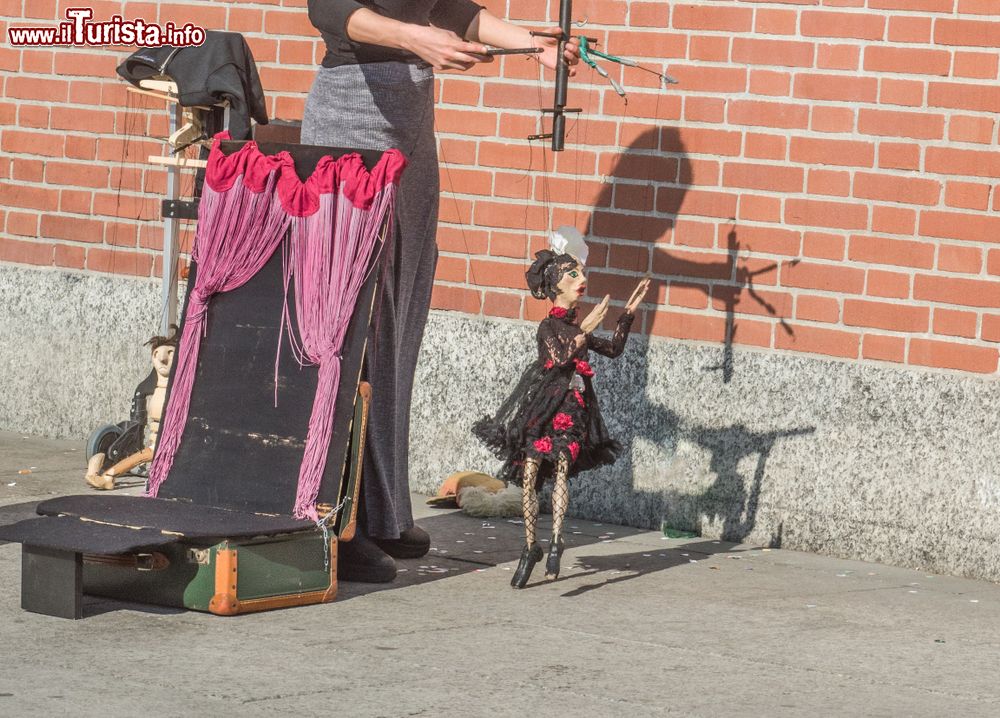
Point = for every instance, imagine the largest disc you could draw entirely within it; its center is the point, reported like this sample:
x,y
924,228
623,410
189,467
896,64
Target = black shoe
x,y
529,557
412,543
555,553
363,561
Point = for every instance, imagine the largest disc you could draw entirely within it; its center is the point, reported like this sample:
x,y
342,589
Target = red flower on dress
x,y
579,397
549,363
557,312
562,421
574,450
583,368
544,445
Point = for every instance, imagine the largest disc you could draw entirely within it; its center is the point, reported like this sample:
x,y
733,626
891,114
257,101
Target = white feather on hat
x,y
568,240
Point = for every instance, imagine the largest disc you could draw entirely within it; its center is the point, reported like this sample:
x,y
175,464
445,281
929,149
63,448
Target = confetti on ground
x,y
912,592
810,605
476,551
22,472
714,568
973,600
12,483
460,541
646,555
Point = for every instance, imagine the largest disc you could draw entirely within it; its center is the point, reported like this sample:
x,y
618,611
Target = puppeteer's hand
x,y
636,299
550,48
443,49
596,316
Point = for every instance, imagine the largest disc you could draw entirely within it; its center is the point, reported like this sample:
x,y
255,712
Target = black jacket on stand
x,y
222,68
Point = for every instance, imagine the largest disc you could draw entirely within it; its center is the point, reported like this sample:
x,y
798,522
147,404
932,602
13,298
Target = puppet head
x,y
558,272
163,351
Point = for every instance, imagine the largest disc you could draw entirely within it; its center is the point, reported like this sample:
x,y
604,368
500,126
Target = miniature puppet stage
x,y
221,527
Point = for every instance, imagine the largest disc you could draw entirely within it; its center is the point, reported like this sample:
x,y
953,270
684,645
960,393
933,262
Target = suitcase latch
x,y
200,556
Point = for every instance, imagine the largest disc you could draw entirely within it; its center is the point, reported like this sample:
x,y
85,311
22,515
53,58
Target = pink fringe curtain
x,y
249,203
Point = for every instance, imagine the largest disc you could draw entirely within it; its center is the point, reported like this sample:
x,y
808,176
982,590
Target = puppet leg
x,y
532,552
560,502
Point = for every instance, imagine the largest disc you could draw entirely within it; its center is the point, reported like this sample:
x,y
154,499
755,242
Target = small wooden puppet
x,y
147,410
551,425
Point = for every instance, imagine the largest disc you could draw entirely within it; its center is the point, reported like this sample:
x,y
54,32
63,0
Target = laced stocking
x,y
529,500
560,495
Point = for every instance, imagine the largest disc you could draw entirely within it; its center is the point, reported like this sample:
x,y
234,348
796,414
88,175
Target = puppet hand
x,y
596,316
550,48
443,49
636,299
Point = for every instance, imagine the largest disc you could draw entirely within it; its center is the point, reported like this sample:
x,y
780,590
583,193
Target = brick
x,y
838,57
976,65
696,327
881,315
31,143
836,87
701,17
78,229
891,285
955,290
775,22
979,33
76,174
861,26
462,239
760,271
954,323
704,109
644,167
696,140
759,209
692,296
906,28
507,244
890,188
764,176
65,255
502,304
765,147
700,265
883,348
915,125
817,309
36,88
847,153
952,225
967,195
950,355
29,196
769,82
832,119
33,116
830,183
22,252
816,340
686,233
699,173
955,258
991,328
820,245
82,120
456,299
23,223
826,277
971,97
907,60
699,78
965,128
833,215
893,220
879,250
785,53
700,203
972,163
648,14
466,122
739,300
119,261
655,45
902,92
993,262
26,170
769,240
768,114
630,257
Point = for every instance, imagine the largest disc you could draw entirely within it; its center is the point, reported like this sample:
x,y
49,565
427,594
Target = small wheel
x,y
101,439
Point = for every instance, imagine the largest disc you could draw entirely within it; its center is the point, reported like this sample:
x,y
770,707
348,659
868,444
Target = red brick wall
x,y
841,155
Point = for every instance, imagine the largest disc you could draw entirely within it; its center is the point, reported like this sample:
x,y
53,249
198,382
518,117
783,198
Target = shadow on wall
x,y
650,180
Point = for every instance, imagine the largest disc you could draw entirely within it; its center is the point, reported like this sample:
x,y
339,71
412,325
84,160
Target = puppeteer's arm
x,y
616,345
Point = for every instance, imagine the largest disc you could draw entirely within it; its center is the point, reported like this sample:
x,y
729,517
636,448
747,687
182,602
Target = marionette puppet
x,y
550,427
147,410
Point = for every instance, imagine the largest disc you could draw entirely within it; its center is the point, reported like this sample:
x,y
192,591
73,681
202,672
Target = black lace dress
x,y
553,410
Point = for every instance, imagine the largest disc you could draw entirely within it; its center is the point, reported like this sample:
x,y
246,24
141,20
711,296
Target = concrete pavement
x,y
638,625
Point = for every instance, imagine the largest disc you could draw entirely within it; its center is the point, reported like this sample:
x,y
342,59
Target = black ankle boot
x,y
363,561
529,557
555,553
414,542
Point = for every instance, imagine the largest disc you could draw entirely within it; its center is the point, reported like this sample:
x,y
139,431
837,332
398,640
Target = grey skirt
x,y
378,106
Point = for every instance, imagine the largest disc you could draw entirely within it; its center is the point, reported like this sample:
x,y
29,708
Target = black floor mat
x,y
178,517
